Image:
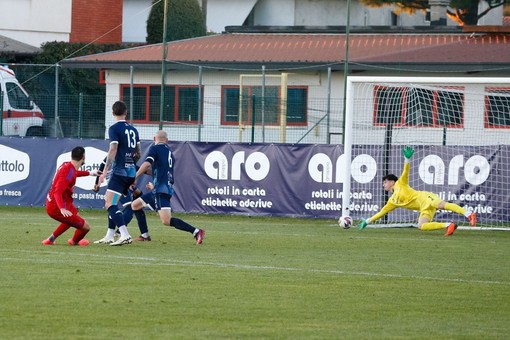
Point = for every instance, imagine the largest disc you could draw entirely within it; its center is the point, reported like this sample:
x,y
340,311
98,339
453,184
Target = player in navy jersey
x,y
124,149
127,212
162,161
59,201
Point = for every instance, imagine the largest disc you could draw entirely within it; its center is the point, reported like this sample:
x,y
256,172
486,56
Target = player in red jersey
x,y
59,201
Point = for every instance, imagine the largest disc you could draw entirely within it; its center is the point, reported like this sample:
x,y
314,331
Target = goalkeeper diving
x,y
427,203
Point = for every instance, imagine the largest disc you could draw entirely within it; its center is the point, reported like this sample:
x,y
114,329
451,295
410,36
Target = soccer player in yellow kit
x,y
427,203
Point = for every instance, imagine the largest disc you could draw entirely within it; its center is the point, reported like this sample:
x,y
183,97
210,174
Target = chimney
x,y
438,12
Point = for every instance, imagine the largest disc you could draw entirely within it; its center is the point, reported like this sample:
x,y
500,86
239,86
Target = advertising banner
x,y
272,179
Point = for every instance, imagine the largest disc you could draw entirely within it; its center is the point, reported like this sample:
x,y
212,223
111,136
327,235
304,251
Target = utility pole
x,y
163,67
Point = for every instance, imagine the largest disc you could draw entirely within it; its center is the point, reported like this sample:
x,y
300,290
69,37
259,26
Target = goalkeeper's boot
x,y
472,219
47,242
451,229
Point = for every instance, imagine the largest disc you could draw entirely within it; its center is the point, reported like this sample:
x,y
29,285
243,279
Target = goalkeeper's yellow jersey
x,y
405,197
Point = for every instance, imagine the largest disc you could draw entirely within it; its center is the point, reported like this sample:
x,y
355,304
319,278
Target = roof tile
x,y
322,48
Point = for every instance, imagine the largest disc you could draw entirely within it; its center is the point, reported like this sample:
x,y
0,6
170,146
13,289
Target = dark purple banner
x,y
274,180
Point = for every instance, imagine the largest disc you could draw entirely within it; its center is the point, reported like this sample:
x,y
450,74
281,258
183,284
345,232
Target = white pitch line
x,y
44,221
144,261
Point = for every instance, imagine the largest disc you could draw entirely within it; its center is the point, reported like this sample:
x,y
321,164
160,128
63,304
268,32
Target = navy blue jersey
x,y
162,160
126,137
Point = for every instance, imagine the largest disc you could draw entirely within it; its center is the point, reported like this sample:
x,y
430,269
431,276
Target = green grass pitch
x,y
253,278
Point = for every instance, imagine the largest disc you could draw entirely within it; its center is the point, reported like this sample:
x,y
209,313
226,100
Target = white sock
x,y
110,233
123,231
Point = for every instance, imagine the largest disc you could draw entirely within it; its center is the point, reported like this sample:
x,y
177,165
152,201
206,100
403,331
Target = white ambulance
x,y
21,116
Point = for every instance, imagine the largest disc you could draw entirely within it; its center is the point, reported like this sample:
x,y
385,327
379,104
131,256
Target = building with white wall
x,y
210,80
36,22
134,20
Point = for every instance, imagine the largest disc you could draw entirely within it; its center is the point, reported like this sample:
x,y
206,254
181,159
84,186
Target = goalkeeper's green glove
x,y
408,152
362,224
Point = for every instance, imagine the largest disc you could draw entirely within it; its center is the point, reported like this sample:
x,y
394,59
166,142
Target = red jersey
x,y
61,191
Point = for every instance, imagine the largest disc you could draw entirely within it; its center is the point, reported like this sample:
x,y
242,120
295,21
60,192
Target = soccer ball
x,y
345,222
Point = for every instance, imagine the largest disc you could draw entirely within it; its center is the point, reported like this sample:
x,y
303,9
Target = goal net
x,y
460,130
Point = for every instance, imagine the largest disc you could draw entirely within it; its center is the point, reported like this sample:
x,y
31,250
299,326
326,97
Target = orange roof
x,y
290,49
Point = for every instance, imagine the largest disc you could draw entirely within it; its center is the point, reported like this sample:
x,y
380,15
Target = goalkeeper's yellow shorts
x,y
429,202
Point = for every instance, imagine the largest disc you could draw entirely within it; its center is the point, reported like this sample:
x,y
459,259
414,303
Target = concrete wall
x,y
36,21
134,20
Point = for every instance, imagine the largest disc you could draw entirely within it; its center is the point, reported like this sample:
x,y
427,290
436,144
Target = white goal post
x,y
460,129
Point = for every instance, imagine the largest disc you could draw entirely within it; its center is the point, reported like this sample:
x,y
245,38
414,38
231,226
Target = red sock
x,y
62,228
79,234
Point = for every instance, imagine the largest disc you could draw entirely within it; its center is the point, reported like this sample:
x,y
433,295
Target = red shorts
x,y
54,212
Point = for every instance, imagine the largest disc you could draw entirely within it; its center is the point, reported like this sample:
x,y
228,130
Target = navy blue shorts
x,y
149,200
163,201
126,199
156,201
120,184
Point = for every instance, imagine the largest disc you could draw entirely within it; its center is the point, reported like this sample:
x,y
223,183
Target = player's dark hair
x,y
119,108
390,177
77,153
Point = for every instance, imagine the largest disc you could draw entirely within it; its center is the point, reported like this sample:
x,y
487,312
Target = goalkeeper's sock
x,y
177,223
433,226
455,208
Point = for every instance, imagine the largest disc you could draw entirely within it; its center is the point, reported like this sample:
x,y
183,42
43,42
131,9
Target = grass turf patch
x,y
254,277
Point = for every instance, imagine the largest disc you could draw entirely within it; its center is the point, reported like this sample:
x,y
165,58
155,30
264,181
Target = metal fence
x,y
199,104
